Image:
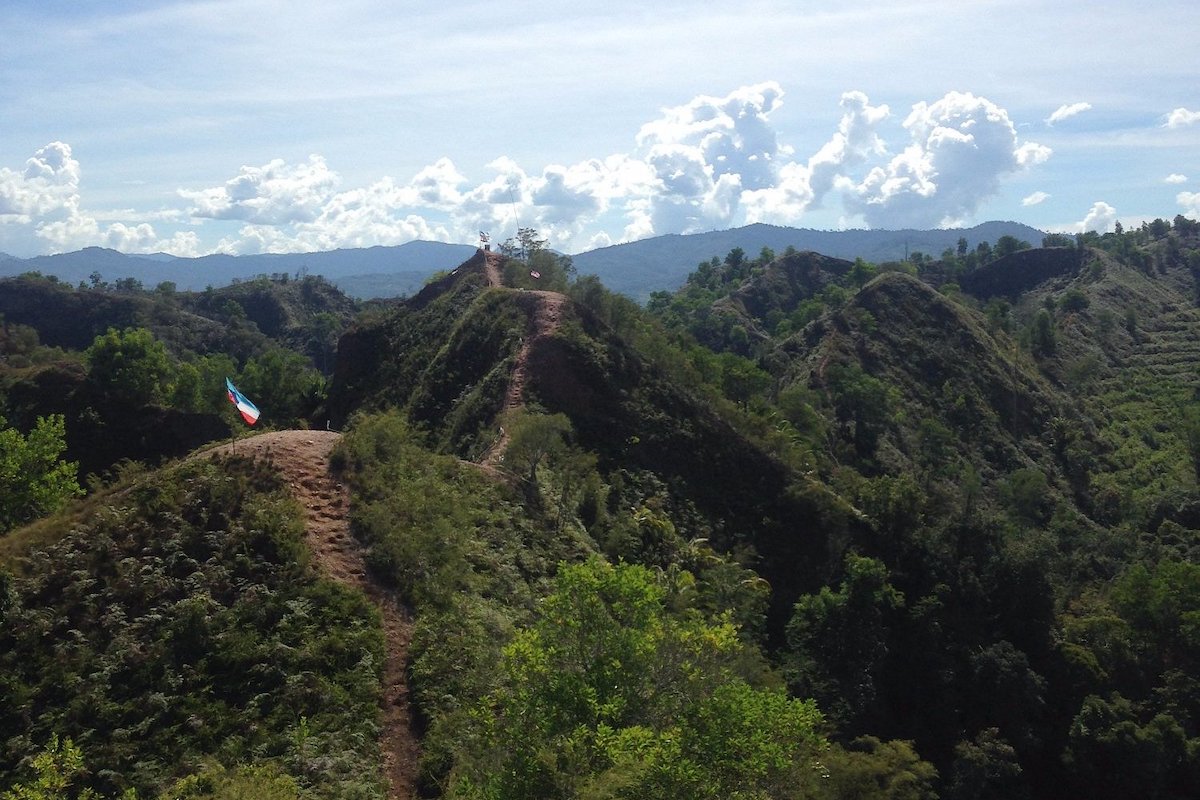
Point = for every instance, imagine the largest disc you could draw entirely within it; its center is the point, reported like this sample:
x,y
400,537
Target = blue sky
x,y
247,126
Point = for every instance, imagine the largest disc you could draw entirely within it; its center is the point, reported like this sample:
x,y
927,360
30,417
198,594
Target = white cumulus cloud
x,y
1067,111
272,194
1035,198
142,238
799,187
961,146
713,162
435,186
296,208
1190,202
1181,117
1175,177
1100,218
48,184
43,204
705,153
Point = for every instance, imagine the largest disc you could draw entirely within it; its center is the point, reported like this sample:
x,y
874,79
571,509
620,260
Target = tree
x,y
861,272
528,255
735,258
130,366
58,767
1025,492
534,439
861,405
997,311
323,332
837,640
1191,435
524,245
283,384
1042,340
200,384
608,694
869,769
1111,753
741,378
936,450
1074,301
263,782
33,481
986,769
798,404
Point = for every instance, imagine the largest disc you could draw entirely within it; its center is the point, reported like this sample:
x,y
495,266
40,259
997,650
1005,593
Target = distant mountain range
x,y
635,268
664,262
406,267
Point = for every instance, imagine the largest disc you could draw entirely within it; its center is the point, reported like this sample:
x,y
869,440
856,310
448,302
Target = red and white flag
x,y
248,410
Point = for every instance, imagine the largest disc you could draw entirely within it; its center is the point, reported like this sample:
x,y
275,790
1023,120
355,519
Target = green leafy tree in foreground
x,y
259,782
33,481
609,695
58,767
869,769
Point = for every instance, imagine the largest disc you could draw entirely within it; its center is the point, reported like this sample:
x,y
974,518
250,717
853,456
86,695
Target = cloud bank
x,y
713,162
960,147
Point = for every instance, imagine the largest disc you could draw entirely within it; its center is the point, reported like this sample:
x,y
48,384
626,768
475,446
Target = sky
x,y
251,126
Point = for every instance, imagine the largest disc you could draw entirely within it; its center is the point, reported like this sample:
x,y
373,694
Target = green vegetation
x,y
34,481
117,360
805,528
186,629
606,693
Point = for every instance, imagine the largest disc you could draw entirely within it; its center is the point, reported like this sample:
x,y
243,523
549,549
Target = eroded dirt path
x,y
302,457
547,316
491,268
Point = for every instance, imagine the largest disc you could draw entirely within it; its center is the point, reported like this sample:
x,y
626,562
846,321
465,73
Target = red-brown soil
x,y
302,457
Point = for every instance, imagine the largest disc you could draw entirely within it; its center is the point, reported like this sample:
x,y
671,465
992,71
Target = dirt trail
x,y
547,316
491,269
303,459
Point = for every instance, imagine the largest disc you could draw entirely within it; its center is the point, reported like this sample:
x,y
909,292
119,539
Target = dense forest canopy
x,y
807,527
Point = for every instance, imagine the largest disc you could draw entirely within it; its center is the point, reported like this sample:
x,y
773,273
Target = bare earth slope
x,y
303,459
546,319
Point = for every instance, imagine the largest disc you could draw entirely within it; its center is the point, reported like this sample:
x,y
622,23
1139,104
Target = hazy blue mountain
x,y
635,269
639,268
421,258
383,284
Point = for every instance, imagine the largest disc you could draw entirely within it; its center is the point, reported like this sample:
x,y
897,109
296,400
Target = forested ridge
x,y
807,527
